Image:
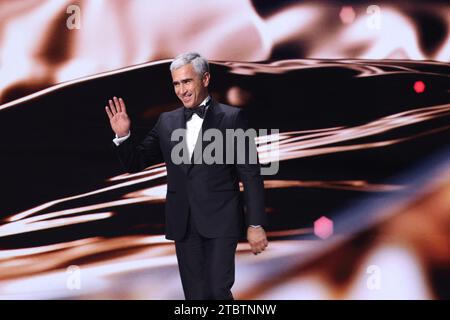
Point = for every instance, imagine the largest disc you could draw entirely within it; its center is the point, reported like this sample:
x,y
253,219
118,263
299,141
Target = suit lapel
x,y
180,123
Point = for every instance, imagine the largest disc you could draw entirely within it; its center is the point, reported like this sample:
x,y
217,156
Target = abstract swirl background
x,y
360,95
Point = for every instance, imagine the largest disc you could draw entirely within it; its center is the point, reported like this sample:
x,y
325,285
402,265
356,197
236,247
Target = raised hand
x,y
118,118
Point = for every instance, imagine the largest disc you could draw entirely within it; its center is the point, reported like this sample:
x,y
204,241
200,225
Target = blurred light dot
x,y
347,14
323,227
237,96
419,86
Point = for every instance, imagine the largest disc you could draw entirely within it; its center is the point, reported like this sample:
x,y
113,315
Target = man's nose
x,y
182,89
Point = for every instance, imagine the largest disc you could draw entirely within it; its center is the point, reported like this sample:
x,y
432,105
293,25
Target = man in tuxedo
x,y
204,210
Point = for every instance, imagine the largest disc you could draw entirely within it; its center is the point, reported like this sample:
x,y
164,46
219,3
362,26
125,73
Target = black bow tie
x,y
200,111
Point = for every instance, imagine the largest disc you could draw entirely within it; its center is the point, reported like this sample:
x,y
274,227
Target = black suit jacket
x,y
211,192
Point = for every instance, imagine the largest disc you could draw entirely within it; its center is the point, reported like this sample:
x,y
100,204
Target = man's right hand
x,y
118,118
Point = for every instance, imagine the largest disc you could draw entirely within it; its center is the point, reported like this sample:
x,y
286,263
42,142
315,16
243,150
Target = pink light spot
x,y
323,227
419,86
347,14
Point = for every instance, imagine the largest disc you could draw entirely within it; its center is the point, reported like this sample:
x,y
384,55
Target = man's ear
x,y
205,78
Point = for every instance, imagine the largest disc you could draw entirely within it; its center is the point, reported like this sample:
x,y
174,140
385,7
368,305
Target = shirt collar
x,y
205,101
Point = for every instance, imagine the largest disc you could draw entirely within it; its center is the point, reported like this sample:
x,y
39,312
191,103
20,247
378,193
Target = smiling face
x,y
190,87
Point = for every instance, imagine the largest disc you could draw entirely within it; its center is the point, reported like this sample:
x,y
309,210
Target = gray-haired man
x,y
204,208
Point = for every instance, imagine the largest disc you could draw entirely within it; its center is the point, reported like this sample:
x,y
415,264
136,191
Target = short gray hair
x,y
199,63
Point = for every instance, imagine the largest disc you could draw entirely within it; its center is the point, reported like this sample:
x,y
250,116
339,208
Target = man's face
x,y
190,87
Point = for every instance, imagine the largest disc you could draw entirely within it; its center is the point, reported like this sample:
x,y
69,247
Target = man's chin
x,y
188,104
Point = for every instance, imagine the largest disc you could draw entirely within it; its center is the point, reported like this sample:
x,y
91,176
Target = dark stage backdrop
x,y
358,92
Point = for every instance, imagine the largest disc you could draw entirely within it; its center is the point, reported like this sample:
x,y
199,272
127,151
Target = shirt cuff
x,y
255,226
117,141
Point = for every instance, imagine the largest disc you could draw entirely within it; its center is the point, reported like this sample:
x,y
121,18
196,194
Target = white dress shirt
x,y
193,126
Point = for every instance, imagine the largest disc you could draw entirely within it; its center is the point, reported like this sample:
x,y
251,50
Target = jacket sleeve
x,y
136,157
250,174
